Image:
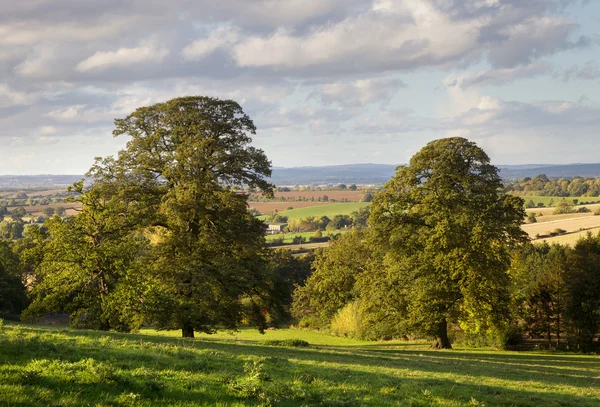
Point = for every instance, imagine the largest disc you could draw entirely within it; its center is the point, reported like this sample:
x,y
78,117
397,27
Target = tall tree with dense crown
x,y
185,157
444,231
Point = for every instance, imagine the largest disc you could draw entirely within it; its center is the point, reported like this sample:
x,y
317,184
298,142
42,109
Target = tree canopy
x,y
172,193
444,232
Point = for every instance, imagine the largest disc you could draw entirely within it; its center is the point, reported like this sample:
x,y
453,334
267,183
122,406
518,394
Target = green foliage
x,y
531,218
331,286
360,217
367,197
172,184
88,266
563,207
350,321
539,290
543,186
583,306
12,291
444,234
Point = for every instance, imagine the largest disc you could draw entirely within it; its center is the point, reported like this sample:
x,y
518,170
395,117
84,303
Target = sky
x,y
326,82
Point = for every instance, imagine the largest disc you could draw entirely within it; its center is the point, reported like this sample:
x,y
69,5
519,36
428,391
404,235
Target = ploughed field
x,y
52,367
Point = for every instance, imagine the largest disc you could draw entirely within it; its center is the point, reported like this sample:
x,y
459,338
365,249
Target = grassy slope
x,y
329,210
73,368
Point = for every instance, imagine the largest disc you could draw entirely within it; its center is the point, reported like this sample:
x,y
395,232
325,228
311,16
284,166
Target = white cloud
x,y
360,92
47,140
45,130
503,76
37,63
66,113
123,57
590,71
11,97
203,47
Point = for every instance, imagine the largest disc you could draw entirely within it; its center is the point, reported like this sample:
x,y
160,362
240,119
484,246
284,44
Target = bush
x,y
295,343
563,207
510,338
298,240
531,217
597,212
349,321
558,232
583,209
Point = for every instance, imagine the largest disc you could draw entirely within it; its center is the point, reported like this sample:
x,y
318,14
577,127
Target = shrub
x,y
583,209
597,212
531,217
298,240
349,321
558,232
563,206
295,343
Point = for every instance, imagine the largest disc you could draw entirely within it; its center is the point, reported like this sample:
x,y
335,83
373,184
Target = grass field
x,y
60,367
269,207
288,237
337,195
329,210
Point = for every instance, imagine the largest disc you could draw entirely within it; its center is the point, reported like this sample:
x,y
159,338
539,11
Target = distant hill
x,y
552,171
365,174
381,173
41,181
334,174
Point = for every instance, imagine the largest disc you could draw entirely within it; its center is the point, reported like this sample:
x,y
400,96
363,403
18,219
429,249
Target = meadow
x,y
63,367
329,210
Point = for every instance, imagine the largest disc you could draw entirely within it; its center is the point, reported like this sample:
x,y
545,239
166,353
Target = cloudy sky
x,y
325,81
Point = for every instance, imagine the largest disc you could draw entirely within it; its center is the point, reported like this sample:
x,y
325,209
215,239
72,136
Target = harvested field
x,y
569,225
549,211
38,210
569,239
550,218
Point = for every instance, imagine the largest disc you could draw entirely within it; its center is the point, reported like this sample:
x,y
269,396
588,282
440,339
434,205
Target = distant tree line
x,y
541,185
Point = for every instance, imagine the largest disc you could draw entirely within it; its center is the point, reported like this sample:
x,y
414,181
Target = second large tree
x,y
443,231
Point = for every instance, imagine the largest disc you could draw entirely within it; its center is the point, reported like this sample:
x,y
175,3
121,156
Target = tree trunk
x,y
442,341
187,331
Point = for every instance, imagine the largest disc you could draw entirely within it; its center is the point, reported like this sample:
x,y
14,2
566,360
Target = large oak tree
x,y
175,184
444,232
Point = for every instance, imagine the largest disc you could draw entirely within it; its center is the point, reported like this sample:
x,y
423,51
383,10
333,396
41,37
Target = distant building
x,y
274,228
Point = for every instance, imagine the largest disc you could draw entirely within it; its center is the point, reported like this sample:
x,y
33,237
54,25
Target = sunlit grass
x,y
51,367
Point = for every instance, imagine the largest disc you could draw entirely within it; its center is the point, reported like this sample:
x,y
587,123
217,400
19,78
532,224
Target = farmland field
x,y
329,210
569,225
269,207
41,366
337,195
569,239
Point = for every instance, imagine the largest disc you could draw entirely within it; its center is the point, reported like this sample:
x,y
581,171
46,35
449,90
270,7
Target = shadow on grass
x,y
345,376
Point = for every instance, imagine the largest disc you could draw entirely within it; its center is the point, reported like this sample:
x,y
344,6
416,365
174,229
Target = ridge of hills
x,y
366,174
